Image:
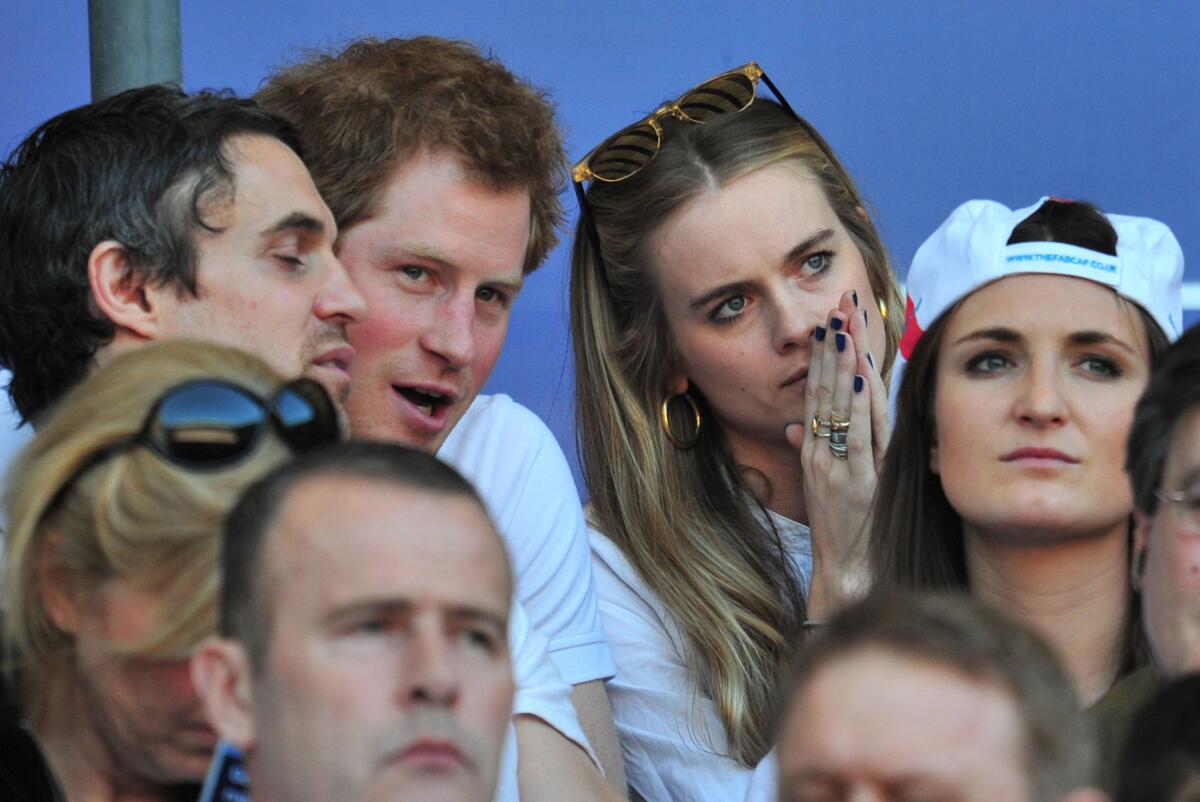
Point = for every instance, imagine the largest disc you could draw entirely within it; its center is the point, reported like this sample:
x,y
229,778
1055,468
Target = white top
x,y
671,736
541,692
517,466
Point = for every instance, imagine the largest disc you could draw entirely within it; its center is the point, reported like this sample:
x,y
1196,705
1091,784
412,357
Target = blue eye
x,y
988,363
818,263
1101,366
730,309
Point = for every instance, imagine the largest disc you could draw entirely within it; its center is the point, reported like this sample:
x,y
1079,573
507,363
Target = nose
x,y
430,669
1039,400
793,324
451,332
338,300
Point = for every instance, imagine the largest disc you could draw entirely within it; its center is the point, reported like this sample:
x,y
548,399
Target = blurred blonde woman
x,y
729,299
111,564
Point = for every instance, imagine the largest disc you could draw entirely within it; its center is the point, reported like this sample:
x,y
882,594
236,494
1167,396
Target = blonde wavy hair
x,y
687,519
131,516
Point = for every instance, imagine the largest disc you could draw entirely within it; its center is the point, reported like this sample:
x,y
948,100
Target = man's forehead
x,y
380,531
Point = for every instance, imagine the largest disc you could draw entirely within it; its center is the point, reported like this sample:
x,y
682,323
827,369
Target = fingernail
x,y
866,320
841,341
870,359
858,384
854,296
820,334
836,323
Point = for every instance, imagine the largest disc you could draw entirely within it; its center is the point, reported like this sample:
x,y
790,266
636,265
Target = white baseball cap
x,y
971,249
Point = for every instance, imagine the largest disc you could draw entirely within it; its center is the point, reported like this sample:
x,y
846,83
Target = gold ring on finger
x,y
820,426
836,425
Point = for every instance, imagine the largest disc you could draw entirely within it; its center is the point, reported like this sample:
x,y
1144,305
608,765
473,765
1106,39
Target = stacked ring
x,y
836,425
820,426
837,444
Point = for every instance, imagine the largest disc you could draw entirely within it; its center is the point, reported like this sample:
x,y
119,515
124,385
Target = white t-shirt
x,y
671,736
541,692
517,466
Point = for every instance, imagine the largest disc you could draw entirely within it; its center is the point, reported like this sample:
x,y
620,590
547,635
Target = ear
x,y
120,293
221,675
862,213
56,586
677,385
1141,540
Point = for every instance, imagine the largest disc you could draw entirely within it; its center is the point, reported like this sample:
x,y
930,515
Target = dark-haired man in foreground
x,y
364,613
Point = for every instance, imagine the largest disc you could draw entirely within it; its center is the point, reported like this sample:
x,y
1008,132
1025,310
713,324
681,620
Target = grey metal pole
x,y
133,43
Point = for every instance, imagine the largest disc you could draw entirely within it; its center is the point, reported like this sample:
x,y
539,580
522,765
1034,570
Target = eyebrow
x,y
391,254
1078,338
296,221
819,237
403,606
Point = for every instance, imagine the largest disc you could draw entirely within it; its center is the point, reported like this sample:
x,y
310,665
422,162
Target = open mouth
x,y
429,402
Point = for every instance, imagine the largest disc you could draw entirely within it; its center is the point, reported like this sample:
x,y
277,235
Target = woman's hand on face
x,y
845,389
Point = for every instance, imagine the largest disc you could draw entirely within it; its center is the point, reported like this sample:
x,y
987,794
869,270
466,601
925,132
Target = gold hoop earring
x,y
883,310
664,414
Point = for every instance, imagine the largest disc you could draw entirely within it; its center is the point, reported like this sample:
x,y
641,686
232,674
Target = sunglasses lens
x,y
626,153
206,424
307,415
724,94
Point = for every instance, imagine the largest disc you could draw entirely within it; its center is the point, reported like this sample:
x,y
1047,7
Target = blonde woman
x,y
111,556
729,300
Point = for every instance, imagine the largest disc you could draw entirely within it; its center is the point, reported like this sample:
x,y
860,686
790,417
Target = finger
x,y
816,359
829,363
843,380
860,458
881,425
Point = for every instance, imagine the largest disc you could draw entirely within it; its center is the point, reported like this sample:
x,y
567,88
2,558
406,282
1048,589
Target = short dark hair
x,y
1162,752
964,634
137,168
245,614
1173,392
365,110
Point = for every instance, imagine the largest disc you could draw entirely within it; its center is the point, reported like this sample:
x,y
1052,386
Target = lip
x,y
336,358
434,754
416,417
799,377
1031,455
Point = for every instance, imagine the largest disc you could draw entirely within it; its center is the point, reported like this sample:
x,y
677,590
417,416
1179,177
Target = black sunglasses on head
x,y
209,424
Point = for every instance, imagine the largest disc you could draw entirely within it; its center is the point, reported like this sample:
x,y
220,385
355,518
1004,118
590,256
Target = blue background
x,y
927,103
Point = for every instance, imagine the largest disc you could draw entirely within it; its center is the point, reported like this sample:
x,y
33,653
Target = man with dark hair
x,y
156,214
937,697
1163,461
364,611
442,169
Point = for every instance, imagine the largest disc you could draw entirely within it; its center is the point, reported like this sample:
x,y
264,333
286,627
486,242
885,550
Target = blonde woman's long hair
x,y
130,516
688,520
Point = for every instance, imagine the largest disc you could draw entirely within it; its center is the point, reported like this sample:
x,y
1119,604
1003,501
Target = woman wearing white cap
x,y
1029,337
727,288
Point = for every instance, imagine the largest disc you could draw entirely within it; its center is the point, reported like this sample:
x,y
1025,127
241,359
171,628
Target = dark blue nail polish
x,y
870,359
854,296
841,342
836,323
820,334
858,384
866,320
